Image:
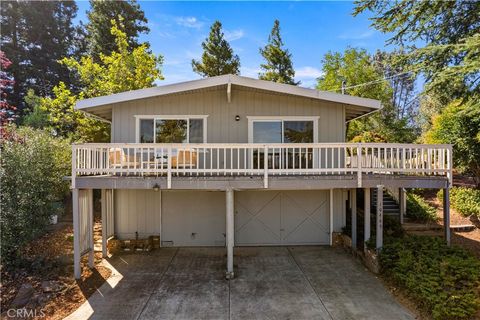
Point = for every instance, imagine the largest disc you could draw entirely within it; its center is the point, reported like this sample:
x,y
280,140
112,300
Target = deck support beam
x,y
379,229
353,199
330,209
446,215
230,236
76,234
104,224
366,214
402,201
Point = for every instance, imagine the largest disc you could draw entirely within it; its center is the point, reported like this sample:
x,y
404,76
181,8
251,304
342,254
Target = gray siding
x,y
178,214
222,127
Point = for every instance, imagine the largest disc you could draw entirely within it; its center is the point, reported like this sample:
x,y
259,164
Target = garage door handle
x,y
282,229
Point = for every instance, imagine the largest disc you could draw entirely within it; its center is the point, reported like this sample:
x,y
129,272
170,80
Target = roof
x,y
102,106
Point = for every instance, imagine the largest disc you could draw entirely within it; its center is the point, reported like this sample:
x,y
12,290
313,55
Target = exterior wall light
x,y
237,118
156,187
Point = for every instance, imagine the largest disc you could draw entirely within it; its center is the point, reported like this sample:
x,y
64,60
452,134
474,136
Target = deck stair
x,y
390,205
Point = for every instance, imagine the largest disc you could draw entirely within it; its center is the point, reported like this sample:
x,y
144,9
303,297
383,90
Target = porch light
x,y
156,187
237,118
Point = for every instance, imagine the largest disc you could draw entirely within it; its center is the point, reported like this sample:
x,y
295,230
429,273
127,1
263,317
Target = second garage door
x,y
281,217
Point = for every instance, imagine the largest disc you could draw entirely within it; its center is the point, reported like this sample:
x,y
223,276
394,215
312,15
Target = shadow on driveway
x,y
270,283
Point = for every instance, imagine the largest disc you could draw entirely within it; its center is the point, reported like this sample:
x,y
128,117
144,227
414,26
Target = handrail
x,y
227,159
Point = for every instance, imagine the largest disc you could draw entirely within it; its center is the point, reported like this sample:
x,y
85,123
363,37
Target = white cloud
x,y
308,72
234,34
249,72
355,35
189,22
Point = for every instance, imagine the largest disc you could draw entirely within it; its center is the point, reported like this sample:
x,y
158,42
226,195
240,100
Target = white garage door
x,y
281,217
193,218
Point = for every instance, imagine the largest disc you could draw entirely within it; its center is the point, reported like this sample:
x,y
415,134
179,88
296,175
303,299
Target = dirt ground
x,y
51,259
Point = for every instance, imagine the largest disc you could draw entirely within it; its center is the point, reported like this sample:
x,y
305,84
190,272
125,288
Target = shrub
x,y
419,210
33,164
465,200
443,280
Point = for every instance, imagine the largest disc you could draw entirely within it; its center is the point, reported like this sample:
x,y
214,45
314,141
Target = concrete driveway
x,y
270,283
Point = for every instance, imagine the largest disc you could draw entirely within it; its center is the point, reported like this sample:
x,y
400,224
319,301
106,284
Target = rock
x,y
24,295
51,286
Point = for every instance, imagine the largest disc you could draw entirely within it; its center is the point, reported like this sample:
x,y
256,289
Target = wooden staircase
x,y
390,206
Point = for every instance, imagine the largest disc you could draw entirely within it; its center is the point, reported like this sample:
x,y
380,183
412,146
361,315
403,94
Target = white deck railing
x,y
211,159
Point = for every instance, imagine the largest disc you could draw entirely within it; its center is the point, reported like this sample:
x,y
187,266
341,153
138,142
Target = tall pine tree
x,y
217,57
278,66
99,37
35,35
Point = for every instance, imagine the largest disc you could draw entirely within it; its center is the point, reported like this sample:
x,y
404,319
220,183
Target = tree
x,y
35,35
7,111
217,57
459,124
278,66
450,30
125,13
121,71
364,77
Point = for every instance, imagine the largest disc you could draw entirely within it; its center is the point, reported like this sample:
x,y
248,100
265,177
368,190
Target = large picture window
x,y
171,130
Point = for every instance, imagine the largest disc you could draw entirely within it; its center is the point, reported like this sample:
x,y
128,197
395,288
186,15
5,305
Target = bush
x,y
33,164
419,210
443,280
465,200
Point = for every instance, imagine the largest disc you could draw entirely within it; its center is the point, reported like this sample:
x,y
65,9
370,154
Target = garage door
x,y
281,217
193,218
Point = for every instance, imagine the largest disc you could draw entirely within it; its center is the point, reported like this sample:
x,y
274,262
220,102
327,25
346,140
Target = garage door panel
x,y
281,217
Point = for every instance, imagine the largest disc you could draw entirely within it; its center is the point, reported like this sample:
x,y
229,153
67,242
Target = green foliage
x,y
125,13
355,67
33,164
451,58
35,35
278,66
37,118
465,200
459,124
121,71
419,210
217,57
444,281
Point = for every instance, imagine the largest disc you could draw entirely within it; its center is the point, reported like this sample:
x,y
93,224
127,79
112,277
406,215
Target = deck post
x,y
354,218
366,214
402,201
446,215
230,236
379,235
76,234
330,207
104,224
91,253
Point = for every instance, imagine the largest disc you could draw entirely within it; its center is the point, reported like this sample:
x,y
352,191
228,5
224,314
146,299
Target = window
x,y
168,129
282,131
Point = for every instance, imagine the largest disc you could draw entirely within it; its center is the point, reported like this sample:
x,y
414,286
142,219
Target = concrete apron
x,y
270,283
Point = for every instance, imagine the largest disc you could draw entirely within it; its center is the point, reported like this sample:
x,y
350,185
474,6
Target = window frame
x,y
170,117
282,119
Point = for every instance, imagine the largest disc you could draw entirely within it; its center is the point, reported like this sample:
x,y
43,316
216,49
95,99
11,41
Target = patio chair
x,y
119,159
185,159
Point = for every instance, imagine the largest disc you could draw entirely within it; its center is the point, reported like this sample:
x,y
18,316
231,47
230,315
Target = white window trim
x,y
170,117
252,119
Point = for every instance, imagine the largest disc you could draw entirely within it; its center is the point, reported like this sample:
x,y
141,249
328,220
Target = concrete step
x,y
410,226
463,228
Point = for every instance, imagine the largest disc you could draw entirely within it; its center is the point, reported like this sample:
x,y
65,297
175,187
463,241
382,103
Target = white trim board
x,y
225,80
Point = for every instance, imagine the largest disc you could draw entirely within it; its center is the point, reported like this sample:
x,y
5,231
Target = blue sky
x,y
309,30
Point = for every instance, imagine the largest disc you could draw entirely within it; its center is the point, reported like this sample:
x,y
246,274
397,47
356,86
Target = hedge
x,y
419,210
444,281
465,200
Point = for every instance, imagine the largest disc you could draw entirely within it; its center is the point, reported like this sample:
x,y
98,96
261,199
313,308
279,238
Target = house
x,y
234,161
